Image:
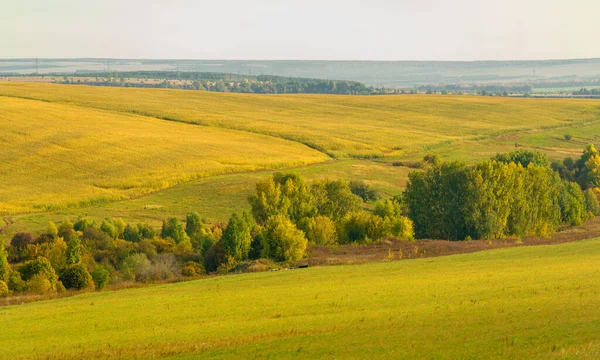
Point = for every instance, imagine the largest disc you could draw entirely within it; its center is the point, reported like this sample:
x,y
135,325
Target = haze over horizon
x,y
378,30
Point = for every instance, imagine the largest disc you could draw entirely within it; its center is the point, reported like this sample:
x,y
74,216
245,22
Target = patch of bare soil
x,y
392,249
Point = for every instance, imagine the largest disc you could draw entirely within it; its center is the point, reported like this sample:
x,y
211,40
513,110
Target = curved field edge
x,y
340,126
63,156
530,302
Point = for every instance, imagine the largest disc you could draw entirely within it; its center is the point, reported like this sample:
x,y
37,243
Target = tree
x,y
73,252
119,227
83,223
76,276
132,233
39,266
283,241
21,240
194,225
591,202
572,204
4,265
437,199
65,228
523,157
52,230
364,190
173,228
146,231
321,230
237,237
335,199
109,228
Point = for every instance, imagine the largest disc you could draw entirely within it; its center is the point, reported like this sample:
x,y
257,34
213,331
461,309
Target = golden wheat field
x,y
67,146
60,155
341,126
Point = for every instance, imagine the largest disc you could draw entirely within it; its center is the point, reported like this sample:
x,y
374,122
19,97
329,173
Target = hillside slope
x,y
59,155
521,303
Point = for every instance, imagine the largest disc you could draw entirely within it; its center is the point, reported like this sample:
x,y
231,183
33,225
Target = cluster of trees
x,y
221,82
585,91
514,194
287,214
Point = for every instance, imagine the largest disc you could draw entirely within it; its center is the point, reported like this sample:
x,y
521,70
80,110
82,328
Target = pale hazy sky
x,y
301,29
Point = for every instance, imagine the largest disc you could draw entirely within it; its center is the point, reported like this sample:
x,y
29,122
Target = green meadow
x,y
521,303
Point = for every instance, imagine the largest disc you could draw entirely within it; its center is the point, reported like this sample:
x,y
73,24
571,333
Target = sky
x,y
460,30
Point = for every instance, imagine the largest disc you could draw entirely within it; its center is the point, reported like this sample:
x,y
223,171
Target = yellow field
x,y
58,155
71,146
341,126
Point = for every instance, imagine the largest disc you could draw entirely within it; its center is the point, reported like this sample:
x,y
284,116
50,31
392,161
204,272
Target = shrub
x,y
283,241
568,137
21,240
192,268
3,289
65,228
402,228
52,230
215,256
362,228
321,230
591,202
83,223
101,276
76,277
40,265
39,284
15,283
163,267
135,267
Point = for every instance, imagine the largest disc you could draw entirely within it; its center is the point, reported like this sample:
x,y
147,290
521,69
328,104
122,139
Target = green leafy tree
x,y
4,265
438,200
335,199
237,237
572,204
108,228
52,230
73,252
119,227
173,228
591,202
364,190
76,276
523,157
65,228
321,230
132,233
283,240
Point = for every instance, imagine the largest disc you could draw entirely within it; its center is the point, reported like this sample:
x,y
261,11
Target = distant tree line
x,y
222,82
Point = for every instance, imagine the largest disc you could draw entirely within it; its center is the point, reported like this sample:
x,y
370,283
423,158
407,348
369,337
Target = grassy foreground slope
x,y
341,126
60,155
521,303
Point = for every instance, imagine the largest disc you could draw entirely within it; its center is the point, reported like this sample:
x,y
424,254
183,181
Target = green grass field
x,y
520,303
